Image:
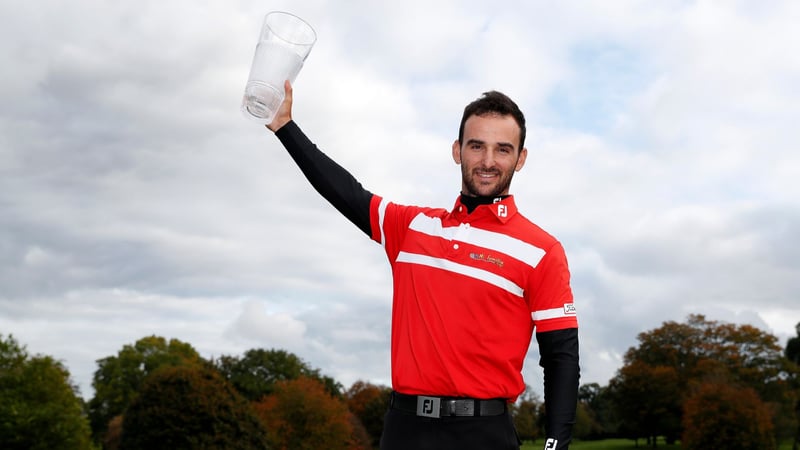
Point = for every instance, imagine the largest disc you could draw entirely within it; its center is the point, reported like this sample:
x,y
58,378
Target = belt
x,y
437,407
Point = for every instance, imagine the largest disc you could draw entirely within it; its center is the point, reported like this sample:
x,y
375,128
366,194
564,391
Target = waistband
x,y
437,407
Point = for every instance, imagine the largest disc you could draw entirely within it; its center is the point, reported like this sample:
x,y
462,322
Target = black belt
x,y
436,407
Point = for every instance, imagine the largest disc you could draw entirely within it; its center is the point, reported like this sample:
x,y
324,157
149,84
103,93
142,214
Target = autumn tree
x,y
697,351
113,435
722,415
254,374
190,407
369,403
300,414
39,406
119,378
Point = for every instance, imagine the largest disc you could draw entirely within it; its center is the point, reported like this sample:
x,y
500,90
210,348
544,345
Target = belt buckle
x,y
428,406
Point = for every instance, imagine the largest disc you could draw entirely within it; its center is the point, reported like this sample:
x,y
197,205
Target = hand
x,y
284,114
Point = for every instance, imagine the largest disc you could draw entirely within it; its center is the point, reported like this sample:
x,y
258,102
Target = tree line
x,y
704,383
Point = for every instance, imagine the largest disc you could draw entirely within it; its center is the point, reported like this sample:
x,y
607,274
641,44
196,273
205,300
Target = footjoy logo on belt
x,y
550,444
428,406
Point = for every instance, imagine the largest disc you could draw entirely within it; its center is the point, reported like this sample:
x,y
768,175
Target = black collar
x,y
473,202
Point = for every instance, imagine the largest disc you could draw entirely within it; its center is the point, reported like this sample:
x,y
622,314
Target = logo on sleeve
x,y
569,309
550,444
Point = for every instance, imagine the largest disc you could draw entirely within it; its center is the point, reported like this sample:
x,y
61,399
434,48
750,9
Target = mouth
x,y
485,174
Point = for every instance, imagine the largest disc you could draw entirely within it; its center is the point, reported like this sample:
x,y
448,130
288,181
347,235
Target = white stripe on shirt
x,y
381,216
554,313
432,226
472,272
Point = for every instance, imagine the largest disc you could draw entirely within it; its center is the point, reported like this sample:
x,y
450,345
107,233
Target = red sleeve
x,y
551,302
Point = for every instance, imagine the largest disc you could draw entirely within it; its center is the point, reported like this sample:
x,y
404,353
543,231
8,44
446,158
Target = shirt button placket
x,y
461,235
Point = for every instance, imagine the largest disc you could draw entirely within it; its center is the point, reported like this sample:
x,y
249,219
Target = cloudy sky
x,y
136,199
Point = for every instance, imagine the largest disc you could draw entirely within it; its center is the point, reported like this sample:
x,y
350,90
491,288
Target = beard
x,y
478,188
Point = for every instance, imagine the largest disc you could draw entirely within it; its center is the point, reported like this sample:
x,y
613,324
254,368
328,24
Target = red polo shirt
x,y
469,290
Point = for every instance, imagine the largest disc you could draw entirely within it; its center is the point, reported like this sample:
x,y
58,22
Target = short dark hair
x,y
494,102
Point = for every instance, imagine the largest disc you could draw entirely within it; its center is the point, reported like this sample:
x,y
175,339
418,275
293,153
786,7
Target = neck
x,y
473,202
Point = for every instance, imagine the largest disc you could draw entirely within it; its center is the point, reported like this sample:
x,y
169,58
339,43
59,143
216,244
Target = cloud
x,y
257,325
135,199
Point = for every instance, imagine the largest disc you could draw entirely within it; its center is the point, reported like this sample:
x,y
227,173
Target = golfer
x,y
471,285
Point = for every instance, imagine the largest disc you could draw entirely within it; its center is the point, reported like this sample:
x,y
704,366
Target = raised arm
x,y
330,179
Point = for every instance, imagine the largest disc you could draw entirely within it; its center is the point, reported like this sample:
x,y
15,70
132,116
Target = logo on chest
x,y
487,258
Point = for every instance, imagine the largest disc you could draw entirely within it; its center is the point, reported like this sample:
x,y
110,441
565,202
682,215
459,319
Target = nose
x,y
488,158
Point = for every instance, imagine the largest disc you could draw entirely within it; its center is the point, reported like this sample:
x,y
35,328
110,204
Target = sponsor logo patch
x,y
569,309
487,258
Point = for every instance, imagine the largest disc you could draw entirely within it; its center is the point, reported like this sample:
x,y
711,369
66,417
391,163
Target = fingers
x,y
287,87
284,113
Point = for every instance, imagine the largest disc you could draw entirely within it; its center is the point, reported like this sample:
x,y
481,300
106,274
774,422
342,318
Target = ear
x,y
523,155
457,151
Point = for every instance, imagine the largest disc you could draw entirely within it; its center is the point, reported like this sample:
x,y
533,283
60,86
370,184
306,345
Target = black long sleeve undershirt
x,y
559,359
558,349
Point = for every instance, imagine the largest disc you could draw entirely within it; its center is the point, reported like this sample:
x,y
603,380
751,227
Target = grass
x,y
606,444
619,444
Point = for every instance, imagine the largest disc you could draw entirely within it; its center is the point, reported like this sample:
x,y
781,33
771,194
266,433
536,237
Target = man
x,y
470,286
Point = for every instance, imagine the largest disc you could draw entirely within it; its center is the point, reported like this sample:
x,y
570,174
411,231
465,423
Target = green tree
x,y
792,350
301,414
190,407
600,407
369,403
254,375
792,353
723,415
648,400
39,407
119,378
526,413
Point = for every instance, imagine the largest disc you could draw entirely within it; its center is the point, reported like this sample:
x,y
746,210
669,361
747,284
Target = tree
x,y
301,415
792,350
369,402
255,374
792,353
526,413
598,401
119,378
39,406
722,415
113,436
648,400
190,407
698,351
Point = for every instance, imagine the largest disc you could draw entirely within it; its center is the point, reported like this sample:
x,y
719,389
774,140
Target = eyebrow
x,y
500,144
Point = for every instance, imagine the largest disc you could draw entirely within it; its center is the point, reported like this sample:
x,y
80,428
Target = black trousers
x,y
405,431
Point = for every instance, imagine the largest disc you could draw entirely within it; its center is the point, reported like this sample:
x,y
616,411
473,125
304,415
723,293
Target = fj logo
x,y
551,444
428,406
502,210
